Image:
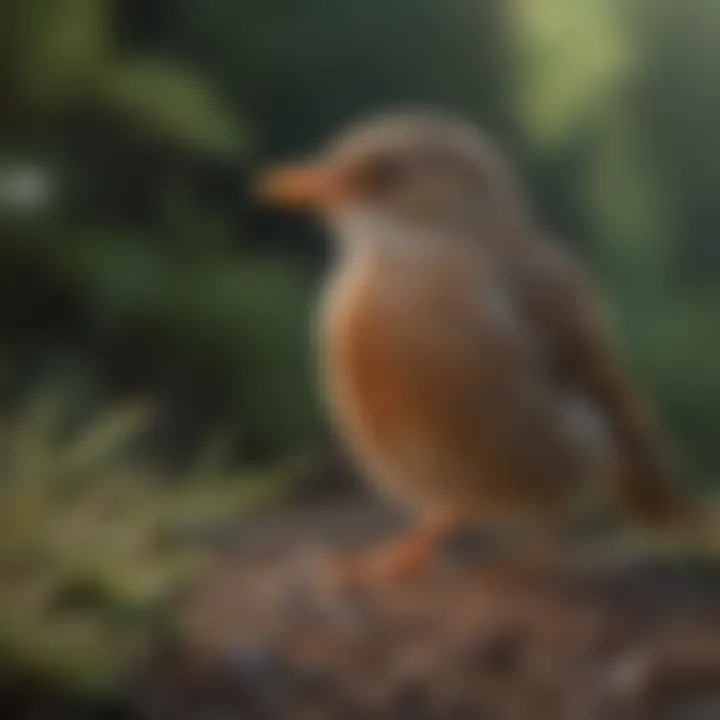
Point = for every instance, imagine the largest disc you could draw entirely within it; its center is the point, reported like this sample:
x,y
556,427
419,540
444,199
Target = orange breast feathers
x,y
402,351
430,374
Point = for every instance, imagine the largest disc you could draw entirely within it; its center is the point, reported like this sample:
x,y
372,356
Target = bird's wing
x,y
558,301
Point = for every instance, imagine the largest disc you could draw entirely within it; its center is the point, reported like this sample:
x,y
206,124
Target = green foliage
x,y
172,103
672,350
232,319
572,58
54,47
89,556
244,318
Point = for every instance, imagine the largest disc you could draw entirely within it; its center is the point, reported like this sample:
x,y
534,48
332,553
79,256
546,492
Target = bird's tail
x,y
686,522
656,505
646,487
704,533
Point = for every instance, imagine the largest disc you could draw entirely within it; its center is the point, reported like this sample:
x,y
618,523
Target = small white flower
x,y
25,187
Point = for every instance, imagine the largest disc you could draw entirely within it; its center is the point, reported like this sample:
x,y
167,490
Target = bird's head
x,y
409,171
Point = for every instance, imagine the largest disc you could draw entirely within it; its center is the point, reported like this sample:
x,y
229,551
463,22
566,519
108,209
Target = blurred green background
x,y
133,264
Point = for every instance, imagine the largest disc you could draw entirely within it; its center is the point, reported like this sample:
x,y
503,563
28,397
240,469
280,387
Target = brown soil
x,y
472,638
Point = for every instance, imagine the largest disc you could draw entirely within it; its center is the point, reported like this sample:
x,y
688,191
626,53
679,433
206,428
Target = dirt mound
x,y
637,640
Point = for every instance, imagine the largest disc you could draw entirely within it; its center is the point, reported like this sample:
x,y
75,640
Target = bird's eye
x,y
382,173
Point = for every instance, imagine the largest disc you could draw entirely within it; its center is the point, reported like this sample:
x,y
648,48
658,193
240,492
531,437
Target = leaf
x,y
574,58
88,573
172,103
103,439
56,47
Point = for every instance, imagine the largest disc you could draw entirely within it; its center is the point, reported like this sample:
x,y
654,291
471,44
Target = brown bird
x,y
468,369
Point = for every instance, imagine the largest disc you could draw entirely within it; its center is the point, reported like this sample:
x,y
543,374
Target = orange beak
x,y
311,186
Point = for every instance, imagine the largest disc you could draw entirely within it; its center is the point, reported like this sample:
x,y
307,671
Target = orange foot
x,y
401,561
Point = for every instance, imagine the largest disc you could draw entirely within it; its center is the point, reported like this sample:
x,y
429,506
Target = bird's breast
x,y
413,355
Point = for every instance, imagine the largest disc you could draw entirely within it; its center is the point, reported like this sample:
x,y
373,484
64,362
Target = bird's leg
x,y
401,560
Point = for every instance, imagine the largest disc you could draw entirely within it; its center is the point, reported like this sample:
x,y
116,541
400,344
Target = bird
x,y
464,352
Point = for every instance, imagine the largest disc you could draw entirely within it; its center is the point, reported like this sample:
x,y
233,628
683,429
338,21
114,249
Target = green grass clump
x,y
89,550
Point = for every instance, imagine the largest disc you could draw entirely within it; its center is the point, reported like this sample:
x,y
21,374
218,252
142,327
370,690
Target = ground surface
x,y
470,639
636,640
